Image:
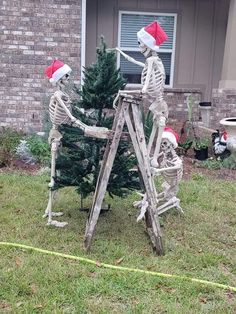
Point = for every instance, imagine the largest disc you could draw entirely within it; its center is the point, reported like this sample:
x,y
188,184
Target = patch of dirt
x,y
192,165
17,164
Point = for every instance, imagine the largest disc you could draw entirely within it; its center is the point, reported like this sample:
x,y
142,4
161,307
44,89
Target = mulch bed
x,y
191,165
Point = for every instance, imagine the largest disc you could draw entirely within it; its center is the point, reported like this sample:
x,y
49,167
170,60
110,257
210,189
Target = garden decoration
x,y
128,110
230,128
219,144
60,113
171,168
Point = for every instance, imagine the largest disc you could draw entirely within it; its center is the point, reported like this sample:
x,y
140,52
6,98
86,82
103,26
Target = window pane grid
x,y
130,24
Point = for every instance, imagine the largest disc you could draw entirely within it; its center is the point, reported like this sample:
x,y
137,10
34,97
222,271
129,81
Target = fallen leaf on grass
x,y
203,299
119,261
93,275
4,305
18,304
18,261
38,306
165,288
151,266
136,302
34,288
230,294
224,269
98,264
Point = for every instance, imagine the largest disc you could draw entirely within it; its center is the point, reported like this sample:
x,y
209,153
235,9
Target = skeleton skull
x,y
166,145
64,80
145,50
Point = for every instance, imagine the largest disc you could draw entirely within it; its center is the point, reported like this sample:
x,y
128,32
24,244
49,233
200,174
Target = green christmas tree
x,y
80,158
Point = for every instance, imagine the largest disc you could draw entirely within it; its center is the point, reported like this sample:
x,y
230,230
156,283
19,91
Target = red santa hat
x,y
56,70
152,35
171,135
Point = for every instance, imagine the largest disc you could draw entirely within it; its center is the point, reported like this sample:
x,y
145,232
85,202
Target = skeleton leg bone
x,y
152,136
48,212
143,205
162,124
171,203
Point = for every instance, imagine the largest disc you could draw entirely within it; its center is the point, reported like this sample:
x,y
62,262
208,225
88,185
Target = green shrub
x,y
9,140
39,148
229,162
212,163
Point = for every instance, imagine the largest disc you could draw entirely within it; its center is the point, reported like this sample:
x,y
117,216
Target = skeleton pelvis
x,y
159,108
54,134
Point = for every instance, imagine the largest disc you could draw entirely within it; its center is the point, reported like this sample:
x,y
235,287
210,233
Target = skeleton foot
x,y
54,214
56,223
138,204
142,204
144,207
173,202
51,183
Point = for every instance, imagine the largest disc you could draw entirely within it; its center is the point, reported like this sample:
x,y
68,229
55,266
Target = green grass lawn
x,y
200,244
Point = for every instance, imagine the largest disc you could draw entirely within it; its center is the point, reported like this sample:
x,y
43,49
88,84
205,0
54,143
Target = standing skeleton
x,y
60,113
153,82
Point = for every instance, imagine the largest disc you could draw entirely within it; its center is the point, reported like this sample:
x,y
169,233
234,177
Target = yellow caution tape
x,y
120,268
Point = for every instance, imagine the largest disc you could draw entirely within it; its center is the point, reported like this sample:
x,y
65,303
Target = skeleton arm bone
x,y
73,119
130,58
91,131
176,167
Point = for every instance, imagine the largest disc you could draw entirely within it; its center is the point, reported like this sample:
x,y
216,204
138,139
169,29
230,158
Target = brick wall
x,y
223,106
176,99
32,33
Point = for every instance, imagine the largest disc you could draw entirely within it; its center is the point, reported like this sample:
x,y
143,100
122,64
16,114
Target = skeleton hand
x,y
115,101
51,183
143,91
154,163
98,132
155,171
118,50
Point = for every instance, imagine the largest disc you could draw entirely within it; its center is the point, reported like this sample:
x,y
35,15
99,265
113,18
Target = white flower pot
x,y
230,127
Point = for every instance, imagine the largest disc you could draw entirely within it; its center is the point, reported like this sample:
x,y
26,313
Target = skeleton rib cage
x,y
157,79
57,113
172,176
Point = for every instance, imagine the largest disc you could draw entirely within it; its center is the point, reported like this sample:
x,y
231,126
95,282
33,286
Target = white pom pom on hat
x,y
56,70
152,35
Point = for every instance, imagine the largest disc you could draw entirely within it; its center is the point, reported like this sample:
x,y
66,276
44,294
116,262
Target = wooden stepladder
x,y
128,111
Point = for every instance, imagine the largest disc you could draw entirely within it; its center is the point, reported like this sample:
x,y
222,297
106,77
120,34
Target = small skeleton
x,y
60,113
171,169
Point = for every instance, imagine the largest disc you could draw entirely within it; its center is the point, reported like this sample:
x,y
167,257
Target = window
x,y
129,24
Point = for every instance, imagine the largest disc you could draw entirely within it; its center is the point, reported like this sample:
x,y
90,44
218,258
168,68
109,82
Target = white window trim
x,y
162,50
